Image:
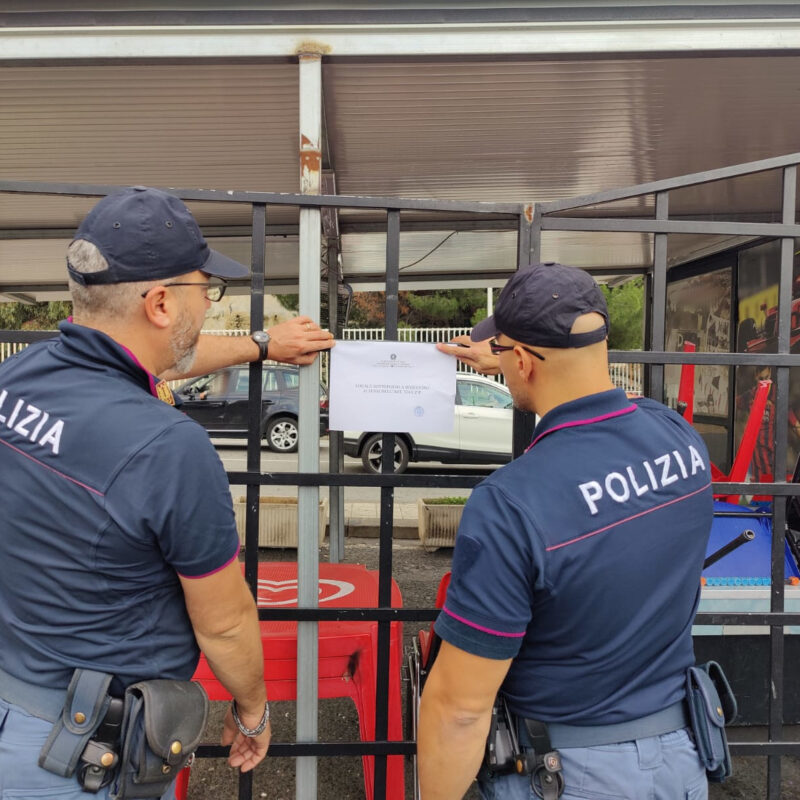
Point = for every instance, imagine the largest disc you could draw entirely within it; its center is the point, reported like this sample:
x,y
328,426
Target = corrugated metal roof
x,y
541,130
183,125
490,130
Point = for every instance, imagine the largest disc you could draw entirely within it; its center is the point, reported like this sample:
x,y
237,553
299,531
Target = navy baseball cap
x,y
540,304
146,234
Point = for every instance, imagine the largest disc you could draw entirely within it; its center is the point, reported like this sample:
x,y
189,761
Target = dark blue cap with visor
x,y
539,306
146,234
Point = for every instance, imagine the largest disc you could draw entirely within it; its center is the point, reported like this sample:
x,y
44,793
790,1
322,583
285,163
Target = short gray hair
x,y
104,300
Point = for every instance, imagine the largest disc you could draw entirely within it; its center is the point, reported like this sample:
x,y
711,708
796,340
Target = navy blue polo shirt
x,y
581,560
108,494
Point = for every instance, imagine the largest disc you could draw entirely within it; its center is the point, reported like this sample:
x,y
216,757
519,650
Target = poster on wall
x,y
699,311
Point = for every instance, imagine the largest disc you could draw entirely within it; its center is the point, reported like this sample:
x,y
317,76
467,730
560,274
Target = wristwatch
x,y
251,732
261,338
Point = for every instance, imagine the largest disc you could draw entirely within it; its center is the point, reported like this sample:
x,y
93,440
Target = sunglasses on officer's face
x,y
501,348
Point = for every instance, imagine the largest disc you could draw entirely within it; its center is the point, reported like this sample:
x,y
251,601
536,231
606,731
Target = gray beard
x,y
184,344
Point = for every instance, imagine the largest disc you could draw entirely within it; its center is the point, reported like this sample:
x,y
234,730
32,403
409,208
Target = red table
x,y
347,653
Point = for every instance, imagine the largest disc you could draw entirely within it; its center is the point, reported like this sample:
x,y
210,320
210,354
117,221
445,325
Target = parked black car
x,y
219,402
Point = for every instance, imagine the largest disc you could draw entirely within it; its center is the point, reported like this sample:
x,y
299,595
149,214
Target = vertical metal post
x,y
335,438
523,421
535,251
387,514
308,446
524,236
777,644
658,329
257,269
253,491
648,329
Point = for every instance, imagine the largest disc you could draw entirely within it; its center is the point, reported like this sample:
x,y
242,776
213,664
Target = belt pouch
x,y
498,757
163,724
711,705
85,706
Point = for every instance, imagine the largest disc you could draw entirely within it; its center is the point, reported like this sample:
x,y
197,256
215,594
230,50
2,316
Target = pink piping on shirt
x,y
628,519
147,372
52,469
582,422
213,571
480,627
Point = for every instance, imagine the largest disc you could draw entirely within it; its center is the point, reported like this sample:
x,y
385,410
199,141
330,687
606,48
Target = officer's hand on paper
x,y
298,340
246,751
474,354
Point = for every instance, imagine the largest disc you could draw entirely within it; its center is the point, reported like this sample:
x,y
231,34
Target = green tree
x,y
33,316
291,302
626,315
425,309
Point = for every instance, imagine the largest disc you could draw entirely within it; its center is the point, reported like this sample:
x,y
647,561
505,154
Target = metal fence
x,y
530,222
626,376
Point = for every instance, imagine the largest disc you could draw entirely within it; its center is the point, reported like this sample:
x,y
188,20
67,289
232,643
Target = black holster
x,y
505,755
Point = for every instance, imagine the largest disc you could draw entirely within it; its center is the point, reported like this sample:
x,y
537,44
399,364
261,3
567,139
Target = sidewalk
x,y
363,520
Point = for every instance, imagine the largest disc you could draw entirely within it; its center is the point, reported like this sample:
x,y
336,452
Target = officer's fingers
x,y
317,334
462,339
238,751
254,756
250,751
321,342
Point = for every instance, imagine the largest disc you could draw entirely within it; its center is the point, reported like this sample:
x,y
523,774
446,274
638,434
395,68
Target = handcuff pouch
x,y
711,706
163,725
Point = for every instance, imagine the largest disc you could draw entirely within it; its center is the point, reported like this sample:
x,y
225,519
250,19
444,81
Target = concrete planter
x,y
438,523
277,521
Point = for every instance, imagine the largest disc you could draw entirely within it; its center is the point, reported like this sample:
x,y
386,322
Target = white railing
x,y
406,334
10,348
627,376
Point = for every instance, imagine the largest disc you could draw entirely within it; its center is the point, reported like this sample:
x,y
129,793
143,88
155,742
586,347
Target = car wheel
x,y
282,434
373,449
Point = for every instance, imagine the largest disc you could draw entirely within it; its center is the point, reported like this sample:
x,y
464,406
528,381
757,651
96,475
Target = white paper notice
x,y
391,387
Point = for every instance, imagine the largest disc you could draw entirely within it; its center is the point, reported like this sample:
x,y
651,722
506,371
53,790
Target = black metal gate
x,y
529,221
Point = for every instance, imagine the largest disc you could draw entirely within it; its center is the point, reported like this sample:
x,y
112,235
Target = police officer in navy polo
x,y
576,573
119,551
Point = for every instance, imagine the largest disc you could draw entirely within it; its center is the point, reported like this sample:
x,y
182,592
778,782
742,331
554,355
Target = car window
x,y
483,395
207,386
270,381
242,384
291,379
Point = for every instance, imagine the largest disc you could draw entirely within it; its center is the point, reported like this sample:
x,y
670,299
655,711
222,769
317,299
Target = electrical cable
x,y
413,263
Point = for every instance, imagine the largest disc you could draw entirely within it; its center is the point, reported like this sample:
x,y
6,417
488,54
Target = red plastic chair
x,y
348,661
744,454
427,637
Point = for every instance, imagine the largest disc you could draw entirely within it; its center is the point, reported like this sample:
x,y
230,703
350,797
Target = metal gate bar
x,y
656,294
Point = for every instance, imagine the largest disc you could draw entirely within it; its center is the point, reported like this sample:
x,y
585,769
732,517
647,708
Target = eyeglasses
x,y
501,348
215,288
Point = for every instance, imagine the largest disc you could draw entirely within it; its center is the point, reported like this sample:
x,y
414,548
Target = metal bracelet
x,y
251,732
